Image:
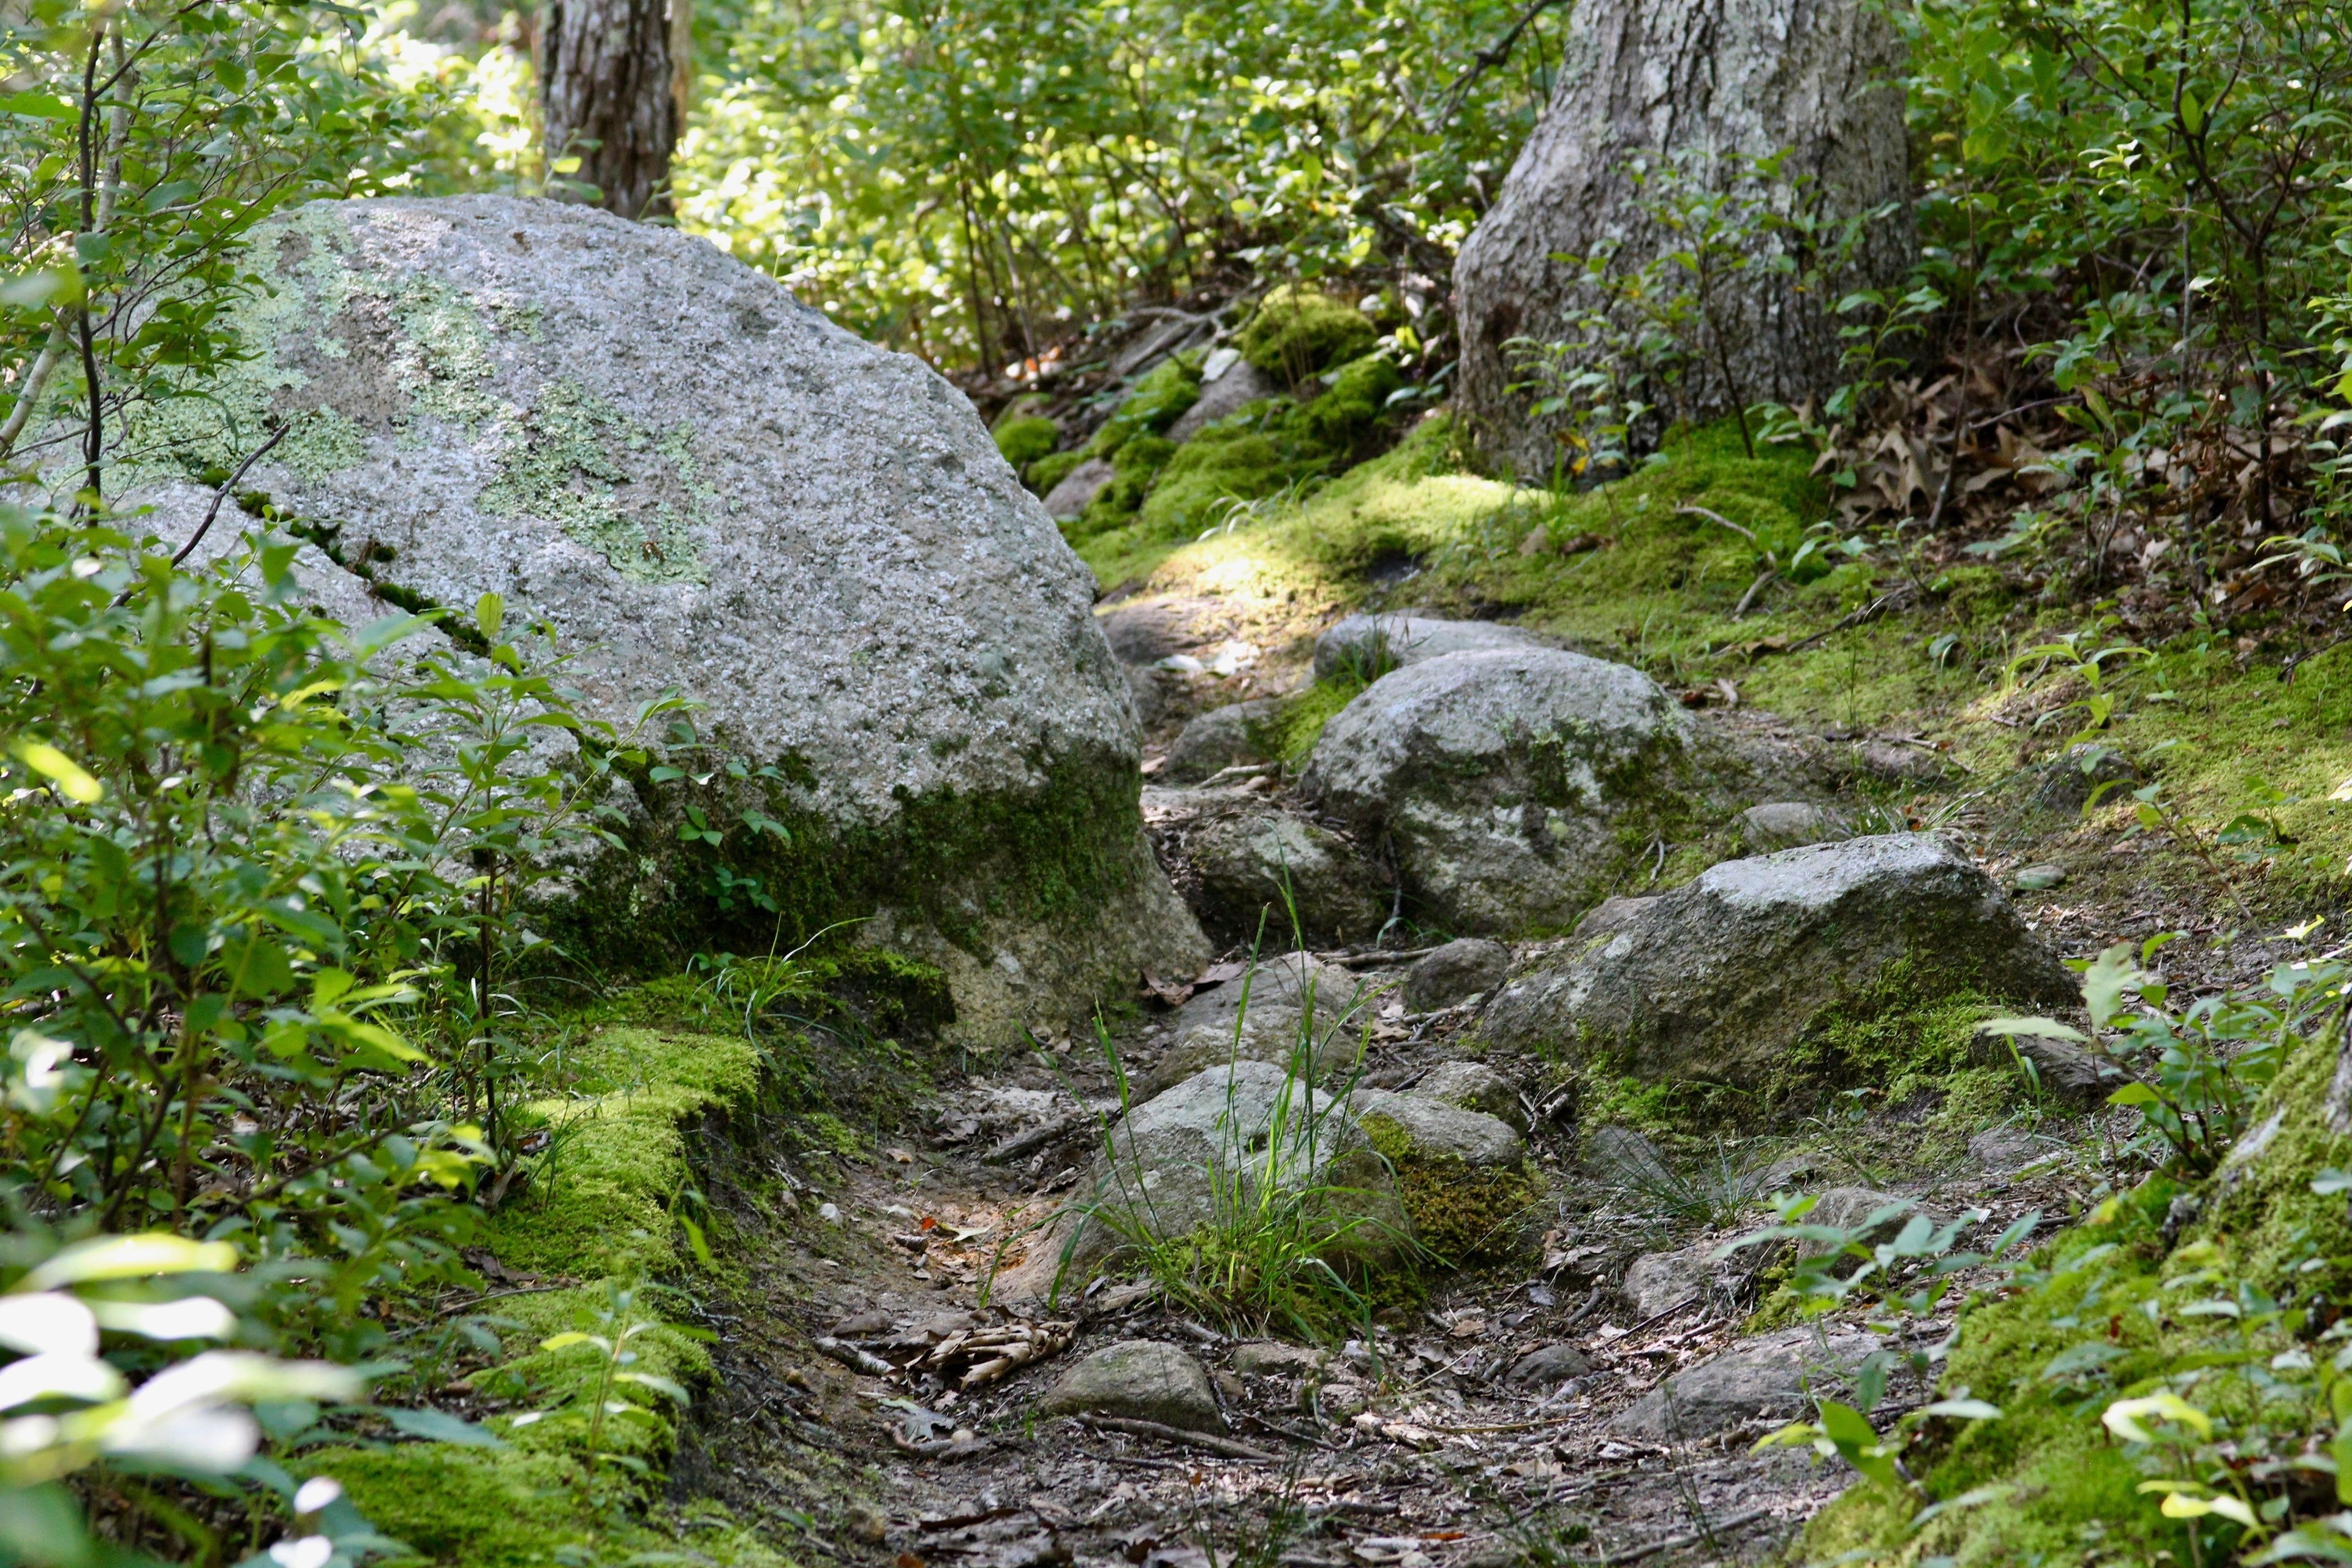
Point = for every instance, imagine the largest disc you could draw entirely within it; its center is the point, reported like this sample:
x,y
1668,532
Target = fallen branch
x,y
1208,1442
850,1355
1038,1138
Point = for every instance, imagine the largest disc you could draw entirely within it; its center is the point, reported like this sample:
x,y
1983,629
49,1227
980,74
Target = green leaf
x,y
440,1426
490,614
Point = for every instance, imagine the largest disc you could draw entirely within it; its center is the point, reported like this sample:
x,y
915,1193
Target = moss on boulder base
x,y
1298,332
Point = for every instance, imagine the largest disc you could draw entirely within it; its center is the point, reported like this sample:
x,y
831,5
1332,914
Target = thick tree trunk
x,y
613,78
1748,78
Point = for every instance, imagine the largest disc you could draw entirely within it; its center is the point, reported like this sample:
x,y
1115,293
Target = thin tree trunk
x,y
613,79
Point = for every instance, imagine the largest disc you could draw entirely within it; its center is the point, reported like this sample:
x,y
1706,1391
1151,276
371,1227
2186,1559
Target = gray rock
x,y
1464,967
2066,1072
1245,862
1297,980
2070,779
1271,1358
1241,384
1658,1282
702,484
1145,631
1720,977
1817,78
1147,687
1621,1155
1772,1377
1547,1366
2038,879
1612,913
1786,823
1474,1086
1509,781
1141,1380
1221,738
1851,1209
2010,1148
1435,1130
1079,488
1376,644
1177,1161
1269,1034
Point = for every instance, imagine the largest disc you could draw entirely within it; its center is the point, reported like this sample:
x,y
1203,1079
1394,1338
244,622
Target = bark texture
x,y
1658,76
615,74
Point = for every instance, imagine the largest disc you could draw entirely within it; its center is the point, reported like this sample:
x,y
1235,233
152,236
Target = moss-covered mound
x,y
1298,332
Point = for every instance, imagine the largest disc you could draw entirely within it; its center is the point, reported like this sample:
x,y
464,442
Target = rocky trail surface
x,y
1589,1385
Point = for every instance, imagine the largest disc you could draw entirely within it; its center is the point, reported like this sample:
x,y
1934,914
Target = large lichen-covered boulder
x,y
1698,84
1720,979
703,485
1204,1156
1516,784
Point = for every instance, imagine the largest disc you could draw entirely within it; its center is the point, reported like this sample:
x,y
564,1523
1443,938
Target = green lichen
x,y
1297,331
568,458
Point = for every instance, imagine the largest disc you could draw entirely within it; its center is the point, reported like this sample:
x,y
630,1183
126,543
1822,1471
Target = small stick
x,y
850,1355
1209,1441
220,495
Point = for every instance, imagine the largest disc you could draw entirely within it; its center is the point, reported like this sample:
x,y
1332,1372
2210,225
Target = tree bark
x,y
613,86
1646,77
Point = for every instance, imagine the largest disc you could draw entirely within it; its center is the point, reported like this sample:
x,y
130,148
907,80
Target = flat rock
x,y
1435,1130
1467,966
1272,1358
2068,780
1269,1034
2038,879
1548,1365
1719,978
1145,631
1297,979
705,486
1657,1283
1474,1086
1851,1208
1241,384
1371,645
1141,1380
1510,781
1786,823
1221,738
2012,1148
1079,488
1771,1377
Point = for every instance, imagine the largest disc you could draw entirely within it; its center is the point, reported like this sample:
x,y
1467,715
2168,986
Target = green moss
x,y
1353,406
1060,849
1043,474
2281,1234
473,1507
1158,400
1297,331
1025,440
1461,1214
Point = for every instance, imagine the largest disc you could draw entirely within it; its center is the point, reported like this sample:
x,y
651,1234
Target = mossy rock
x,y
1298,332
1024,441
1158,400
1464,1176
1047,472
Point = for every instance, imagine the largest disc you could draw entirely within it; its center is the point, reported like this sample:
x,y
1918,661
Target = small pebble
x,y
2039,878
828,1213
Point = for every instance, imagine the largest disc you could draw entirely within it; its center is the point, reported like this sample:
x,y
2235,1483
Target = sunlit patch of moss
x,y
1299,331
479,1508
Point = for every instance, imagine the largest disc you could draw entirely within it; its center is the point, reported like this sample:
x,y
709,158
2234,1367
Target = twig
x,y
222,494
1676,1542
1688,510
1762,581
1038,1138
1853,618
1484,60
1373,959
1207,1441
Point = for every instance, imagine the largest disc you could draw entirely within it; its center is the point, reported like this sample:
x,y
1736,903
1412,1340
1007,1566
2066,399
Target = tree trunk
x,y
613,83
1748,78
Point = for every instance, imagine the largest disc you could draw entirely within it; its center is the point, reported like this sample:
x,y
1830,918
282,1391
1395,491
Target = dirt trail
x,y
1411,1448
